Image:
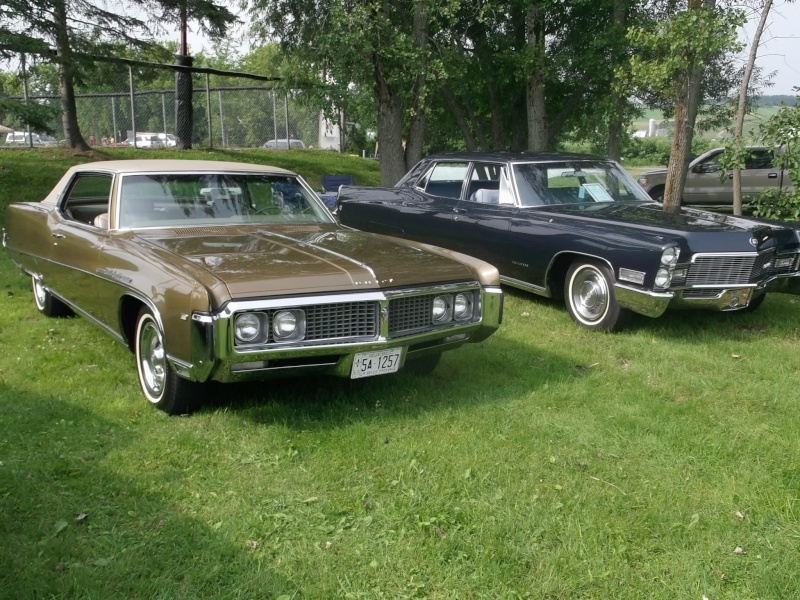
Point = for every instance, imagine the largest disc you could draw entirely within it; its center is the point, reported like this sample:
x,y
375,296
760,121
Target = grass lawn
x,y
547,462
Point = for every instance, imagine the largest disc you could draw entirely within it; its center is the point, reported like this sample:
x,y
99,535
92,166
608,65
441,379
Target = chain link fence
x,y
136,105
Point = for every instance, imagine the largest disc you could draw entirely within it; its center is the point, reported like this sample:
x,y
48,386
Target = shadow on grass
x,y
778,313
496,371
72,526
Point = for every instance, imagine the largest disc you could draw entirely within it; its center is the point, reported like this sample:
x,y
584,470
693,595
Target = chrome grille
x,y
344,320
410,314
728,270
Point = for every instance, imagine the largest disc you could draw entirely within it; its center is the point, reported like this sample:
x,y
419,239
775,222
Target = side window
x,y
506,195
759,159
88,197
446,179
484,183
710,165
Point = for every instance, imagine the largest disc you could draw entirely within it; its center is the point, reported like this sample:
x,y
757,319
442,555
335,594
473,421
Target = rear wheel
x,y
589,295
162,387
48,305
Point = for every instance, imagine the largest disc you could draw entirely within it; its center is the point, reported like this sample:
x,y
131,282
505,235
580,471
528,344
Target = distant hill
x,y
776,101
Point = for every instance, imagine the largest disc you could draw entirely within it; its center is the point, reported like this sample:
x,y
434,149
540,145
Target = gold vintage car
x,y
230,271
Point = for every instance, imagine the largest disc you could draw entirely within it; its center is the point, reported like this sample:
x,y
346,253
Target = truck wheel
x,y
657,193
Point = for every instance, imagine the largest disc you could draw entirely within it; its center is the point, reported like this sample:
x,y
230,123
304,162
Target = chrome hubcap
x,y
589,294
39,292
153,358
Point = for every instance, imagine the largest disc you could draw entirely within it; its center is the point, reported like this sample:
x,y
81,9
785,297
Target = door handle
x,y
58,236
772,175
460,211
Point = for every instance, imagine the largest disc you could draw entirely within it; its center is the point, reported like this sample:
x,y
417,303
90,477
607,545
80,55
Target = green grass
x,y
547,462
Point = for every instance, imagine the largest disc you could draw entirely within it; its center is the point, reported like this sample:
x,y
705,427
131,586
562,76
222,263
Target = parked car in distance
x,y
708,184
222,271
579,227
23,138
152,140
283,144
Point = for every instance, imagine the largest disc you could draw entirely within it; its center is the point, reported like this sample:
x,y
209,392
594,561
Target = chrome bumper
x,y
215,359
653,304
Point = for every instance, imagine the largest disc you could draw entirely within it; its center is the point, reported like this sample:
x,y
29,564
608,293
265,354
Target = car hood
x,y
253,261
642,220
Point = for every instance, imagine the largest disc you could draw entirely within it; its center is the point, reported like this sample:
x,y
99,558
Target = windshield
x,y
192,199
575,182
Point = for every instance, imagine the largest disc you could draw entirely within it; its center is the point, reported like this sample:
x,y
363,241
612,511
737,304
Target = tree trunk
x,y
616,127
741,108
390,127
687,102
536,108
686,106
69,110
416,129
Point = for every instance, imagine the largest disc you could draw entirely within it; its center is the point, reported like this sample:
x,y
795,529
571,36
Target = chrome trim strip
x,y
371,296
289,302
724,255
524,285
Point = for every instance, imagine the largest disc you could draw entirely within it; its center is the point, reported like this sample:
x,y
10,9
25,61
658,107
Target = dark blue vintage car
x,y
579,227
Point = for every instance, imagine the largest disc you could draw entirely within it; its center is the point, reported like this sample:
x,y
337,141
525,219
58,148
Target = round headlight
x,y
462,307
441,309
670,256
247,327
284,324
663,277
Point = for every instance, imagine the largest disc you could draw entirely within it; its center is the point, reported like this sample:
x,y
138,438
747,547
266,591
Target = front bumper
x,y
215,356
653,304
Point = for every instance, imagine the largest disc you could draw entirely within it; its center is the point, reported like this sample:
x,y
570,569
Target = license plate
x,y
367,364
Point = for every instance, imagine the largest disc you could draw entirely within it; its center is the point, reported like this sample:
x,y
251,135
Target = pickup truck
x,y
705,186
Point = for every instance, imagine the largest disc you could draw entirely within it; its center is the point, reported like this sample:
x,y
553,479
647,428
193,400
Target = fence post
x,y
286,113
274,119
164,116
221,118
133,107
208,112
115,133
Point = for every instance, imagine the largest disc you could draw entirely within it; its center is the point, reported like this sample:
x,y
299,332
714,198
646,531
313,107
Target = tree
x,y
377,45
674,57
69,34
737,143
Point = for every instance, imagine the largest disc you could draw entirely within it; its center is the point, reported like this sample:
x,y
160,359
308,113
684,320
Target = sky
x,y
780,46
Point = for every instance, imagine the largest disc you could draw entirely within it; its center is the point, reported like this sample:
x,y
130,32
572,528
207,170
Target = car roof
x,y
500,156
156,165
168,165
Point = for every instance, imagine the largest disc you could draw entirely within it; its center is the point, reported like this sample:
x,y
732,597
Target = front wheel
x,y
589,293
754,304
162,387
48,305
